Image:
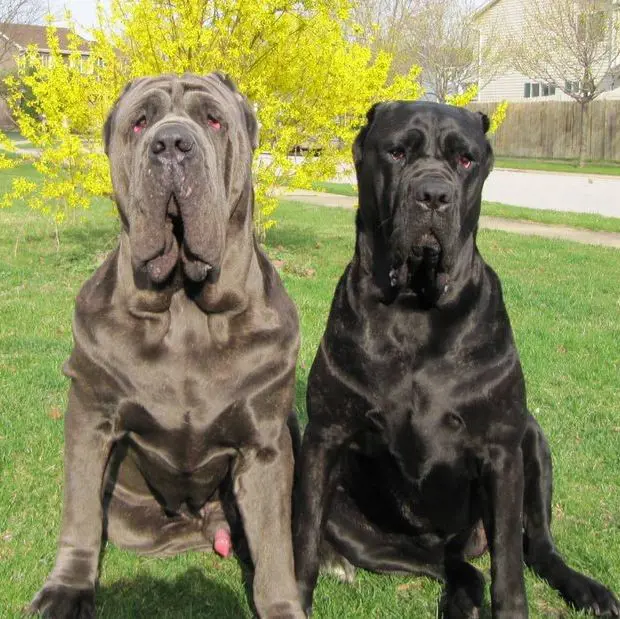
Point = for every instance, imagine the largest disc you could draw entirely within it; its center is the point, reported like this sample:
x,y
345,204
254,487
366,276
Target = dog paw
x,y
60,602
340,569
464,592
587,594
285,610
458,605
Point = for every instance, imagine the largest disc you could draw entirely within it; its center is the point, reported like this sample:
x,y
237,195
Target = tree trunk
x,y
583,133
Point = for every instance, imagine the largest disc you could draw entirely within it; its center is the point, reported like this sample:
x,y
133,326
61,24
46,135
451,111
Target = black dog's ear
x,y
109,121
377,420
486,123
358,144
250,116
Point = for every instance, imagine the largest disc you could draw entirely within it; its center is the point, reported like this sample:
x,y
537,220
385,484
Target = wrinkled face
x,y
180,151
420,168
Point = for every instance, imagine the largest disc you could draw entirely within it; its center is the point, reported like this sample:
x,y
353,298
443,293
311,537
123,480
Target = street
x,y
582,193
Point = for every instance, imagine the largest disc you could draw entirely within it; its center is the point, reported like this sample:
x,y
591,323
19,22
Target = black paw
x,y
583,593
464,593
60,602
458,605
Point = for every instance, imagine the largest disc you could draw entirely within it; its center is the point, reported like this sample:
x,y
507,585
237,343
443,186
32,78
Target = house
x,y
16,38
504,17
14,42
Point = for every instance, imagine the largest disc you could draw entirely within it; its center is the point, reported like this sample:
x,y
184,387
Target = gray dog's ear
x,y
486,123
248,113
109,121
226,80
358,144
250,121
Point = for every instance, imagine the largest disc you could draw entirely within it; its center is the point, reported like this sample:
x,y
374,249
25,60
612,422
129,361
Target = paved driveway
x,y
554,191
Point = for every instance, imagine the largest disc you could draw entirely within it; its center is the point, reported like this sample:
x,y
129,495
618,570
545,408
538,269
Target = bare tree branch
x,y
16,12
440,36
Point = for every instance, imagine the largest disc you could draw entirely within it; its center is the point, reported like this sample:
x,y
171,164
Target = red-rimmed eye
x,y
465,162
140,125
398,154
214,123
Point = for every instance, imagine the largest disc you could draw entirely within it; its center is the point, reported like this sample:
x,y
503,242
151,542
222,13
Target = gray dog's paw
x,y
60,602
285,610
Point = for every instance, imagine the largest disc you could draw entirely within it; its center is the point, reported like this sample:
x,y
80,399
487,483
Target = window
x,y
534,89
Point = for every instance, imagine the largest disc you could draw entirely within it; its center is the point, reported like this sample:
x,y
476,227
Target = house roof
x,y
487,5
23,35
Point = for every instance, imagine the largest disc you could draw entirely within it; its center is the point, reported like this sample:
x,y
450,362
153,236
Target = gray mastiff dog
x,y
179,433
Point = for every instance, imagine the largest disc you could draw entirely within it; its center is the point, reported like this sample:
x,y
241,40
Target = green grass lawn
x,y
564,304
558,165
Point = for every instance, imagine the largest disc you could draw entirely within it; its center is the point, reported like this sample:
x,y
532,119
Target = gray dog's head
x,y
420,169
180,151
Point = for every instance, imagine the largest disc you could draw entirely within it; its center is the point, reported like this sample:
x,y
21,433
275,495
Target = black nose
x,y
172,141
433,193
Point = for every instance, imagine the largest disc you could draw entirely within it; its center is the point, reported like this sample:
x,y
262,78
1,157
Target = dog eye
x,y
465,161
213,122
140,125
398,154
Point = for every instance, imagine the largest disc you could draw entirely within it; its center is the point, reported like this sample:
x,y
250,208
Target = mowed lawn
x,y
564,301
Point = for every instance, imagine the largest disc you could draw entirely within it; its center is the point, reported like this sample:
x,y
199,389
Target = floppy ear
x,y
250,121
226,80
248,112
358,144
486,123
108,126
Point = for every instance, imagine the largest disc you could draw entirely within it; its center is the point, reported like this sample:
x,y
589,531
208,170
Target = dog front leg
x,y
70,589
503,524
312,499
263,486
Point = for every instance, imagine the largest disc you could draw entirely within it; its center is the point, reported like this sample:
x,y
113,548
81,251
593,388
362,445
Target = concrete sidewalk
x,y
578,235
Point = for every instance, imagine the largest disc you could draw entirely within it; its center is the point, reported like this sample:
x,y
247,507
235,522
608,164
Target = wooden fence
x,y
550,130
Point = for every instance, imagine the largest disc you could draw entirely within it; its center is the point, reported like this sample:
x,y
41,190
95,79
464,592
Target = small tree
x,y
572,45
58,107
311,85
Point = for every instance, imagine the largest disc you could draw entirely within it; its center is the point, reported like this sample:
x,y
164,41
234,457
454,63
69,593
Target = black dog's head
x,y
420,169
180,151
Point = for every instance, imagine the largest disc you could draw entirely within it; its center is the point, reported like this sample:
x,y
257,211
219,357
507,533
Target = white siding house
x,y
497,17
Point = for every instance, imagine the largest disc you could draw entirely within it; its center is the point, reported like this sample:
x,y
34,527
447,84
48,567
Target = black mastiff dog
x,y
419,426
178,433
